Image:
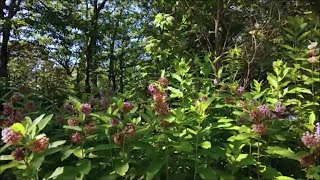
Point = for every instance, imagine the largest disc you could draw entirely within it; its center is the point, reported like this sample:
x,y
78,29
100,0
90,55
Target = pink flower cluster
x,y
240,90
10,137
313,52
159,97
85,108
16,97
259,128
262,112
18,154
76,138
127,107
68,107
73,122
279,108
312,140
128,131
39,145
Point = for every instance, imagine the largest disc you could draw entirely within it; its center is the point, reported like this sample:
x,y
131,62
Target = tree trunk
x,y
4,56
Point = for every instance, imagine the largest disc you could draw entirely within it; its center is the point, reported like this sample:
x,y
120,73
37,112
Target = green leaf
x,y
56,173
6,157
169,118
175,92
272,81
301,90
18,127
79,153
76,128
312,118
121,168
154,168
10,165
283,152
102,147
206,145
84,166
36,121
183,146
57,143
67,153
42,124
284,178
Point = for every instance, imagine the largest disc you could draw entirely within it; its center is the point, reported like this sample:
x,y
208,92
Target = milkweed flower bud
x,y
76,138
163,82
90,128
30,106
114,122
279,108
39,145
259,128
85,108
127,107
215,81
10,137
68,107
7,109
18,154
130,130
118,138
309,140
240,90
152,88
306,161
312,59
16,97
73,122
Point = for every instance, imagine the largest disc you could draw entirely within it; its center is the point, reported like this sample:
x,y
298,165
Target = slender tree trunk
x,y
4,56
92,43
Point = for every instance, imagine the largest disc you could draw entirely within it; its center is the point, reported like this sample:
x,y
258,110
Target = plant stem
x,y
258,159
195,160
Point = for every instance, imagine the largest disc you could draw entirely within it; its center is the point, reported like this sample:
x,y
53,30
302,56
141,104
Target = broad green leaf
x,y
76,128
284,178
183,146
57,143
79,153
6,157
18,127
284,152
121,168
57,172
298,89
8,166
312,118
206,145
175,92
154,168
67,153
84,166
42,124
272,81
36,121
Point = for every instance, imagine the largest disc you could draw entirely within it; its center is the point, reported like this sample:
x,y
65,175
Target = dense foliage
x,y
162,89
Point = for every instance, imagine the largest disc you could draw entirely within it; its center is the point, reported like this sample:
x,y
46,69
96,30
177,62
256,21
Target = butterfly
x,y
288,114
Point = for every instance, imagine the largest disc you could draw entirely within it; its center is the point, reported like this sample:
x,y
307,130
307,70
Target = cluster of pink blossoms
x,y
128,131
313,52
127,107
159,96
9,136
39,145
312,140
85,108
262,112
